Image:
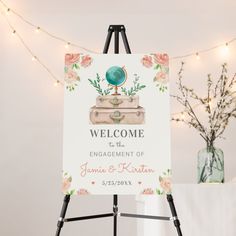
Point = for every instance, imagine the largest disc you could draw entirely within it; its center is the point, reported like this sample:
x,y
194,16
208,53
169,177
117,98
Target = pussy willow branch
x,y
218,116
184,91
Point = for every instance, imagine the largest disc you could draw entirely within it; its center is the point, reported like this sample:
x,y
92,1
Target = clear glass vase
x,y
211,165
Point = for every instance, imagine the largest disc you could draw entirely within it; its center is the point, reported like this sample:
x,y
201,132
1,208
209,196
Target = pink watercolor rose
x,y
71,76
165,183
71,58
162,59
82,191
86,61
147,191
66,183
147,61
161,77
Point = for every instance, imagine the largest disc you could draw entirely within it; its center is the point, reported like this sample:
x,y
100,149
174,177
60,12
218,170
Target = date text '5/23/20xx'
x,y
116,182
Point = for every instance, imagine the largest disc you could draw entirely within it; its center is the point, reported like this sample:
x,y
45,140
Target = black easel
x,y
117,29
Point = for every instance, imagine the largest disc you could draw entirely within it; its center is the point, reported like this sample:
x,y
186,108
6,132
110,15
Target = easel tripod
x,y
117,29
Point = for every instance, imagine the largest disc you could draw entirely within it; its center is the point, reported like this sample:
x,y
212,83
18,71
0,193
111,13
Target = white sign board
x,y
116,124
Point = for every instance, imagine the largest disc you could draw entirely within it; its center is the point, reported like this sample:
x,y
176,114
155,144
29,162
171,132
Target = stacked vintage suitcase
x,y
117,109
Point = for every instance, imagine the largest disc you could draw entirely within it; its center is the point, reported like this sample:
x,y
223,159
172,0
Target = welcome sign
x,y
116,124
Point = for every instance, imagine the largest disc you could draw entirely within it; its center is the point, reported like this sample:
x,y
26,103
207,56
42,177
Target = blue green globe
x,y
115,75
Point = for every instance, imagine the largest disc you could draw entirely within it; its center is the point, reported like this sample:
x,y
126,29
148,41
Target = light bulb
x,y
56,83
13,32
182,115
197,56
227,47
37,29
225,50
67,45
8,11
34,58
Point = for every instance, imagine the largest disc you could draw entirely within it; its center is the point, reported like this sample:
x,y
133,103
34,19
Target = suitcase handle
x,y
115,101
117,116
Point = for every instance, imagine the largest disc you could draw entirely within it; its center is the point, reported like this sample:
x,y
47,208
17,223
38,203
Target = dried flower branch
x,y
222,94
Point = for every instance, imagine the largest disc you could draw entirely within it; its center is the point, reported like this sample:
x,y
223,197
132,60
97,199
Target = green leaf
x,y
75,66
158,191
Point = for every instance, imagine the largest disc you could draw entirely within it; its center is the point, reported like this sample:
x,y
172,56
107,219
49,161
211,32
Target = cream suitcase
x,y
117,115
117,101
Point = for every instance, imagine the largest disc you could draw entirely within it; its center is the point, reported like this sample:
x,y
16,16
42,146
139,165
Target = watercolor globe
x,y
116,75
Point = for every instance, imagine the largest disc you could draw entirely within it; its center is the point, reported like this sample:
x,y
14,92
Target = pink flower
x,y
66,183
82,191
161,59
147,191
71,76
165,183
86,61
147,61
161,77
71,58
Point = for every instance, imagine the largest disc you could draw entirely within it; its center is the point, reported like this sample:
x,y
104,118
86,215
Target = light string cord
x,y
204,50
68,43
57,81
15,32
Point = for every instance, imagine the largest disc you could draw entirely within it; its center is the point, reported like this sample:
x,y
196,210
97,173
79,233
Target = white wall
x,y
31,107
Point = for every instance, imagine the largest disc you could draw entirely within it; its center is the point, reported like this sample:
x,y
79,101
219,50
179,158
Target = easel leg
x,y
115,211
125,40
60,222
108,40
174,214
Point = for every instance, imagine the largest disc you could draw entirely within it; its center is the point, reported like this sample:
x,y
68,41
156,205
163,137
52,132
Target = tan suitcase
x,y
117,101
117,115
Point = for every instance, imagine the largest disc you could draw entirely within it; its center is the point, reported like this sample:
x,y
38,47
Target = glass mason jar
x,y
211,165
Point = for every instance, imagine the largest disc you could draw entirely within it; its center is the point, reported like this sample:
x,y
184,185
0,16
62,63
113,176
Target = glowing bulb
x,y
67,45
197,56
56,83
182,115
34,58
8,11
225,50
13,32
37,29
226,47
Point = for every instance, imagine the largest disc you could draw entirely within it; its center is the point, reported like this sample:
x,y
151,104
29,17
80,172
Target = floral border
x,y
160,63
164,185
73,63
66,186
163,188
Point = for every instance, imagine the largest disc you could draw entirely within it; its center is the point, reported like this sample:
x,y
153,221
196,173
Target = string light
x,y
197,56
225,49
37,30
56,83
8,11
67,45
45,31
34,58
92,51
226,46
